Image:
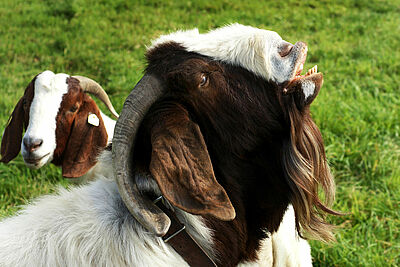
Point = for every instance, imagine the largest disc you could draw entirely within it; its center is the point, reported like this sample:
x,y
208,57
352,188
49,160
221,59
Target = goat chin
x,y
90,226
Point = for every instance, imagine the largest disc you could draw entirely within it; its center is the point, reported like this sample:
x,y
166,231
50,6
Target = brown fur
x,y
191,184
19,119
307,171
78,142
265,150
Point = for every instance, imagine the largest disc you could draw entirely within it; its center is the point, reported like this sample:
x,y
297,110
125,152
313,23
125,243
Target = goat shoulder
x,y
86,226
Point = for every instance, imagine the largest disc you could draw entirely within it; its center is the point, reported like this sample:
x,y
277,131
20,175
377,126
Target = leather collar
x,y
178,238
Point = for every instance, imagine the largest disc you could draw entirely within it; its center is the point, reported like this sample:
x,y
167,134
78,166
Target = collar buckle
x,y
168,236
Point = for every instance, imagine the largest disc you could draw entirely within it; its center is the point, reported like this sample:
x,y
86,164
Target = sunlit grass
x,y
355,44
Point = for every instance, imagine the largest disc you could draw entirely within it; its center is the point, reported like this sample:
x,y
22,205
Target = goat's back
x,y
86,226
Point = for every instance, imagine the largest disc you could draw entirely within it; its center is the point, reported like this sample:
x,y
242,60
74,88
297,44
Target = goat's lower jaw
x,y
298,78
36,163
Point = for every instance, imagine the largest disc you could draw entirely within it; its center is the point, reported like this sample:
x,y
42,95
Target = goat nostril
x,y
37,143
32,144
285,50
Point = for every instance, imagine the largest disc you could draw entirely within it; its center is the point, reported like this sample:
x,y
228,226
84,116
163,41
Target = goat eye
x,y
204,80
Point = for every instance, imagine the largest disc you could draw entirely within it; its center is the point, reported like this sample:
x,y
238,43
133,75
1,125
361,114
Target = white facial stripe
x,y
308,88
49,90
246,46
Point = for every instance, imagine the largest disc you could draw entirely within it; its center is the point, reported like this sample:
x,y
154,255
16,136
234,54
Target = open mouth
x,y
309,72
312,75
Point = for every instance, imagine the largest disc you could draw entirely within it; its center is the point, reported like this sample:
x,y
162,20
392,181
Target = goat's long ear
x,y
11,142
181,165
85,141
12,137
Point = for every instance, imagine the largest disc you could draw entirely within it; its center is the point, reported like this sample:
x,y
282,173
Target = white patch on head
x,y
308,88
251,48
49,90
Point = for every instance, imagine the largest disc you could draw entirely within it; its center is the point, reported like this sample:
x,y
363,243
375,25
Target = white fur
x,y
49,90
284,248
251,48
265,256
308,88
90,226
288,248
109,124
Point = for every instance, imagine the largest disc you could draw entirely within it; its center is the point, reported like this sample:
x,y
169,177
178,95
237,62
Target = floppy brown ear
x,y
11,142
85,141
12,137
181,165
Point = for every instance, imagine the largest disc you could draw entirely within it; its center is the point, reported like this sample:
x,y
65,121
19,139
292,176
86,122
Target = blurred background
x,y
354,43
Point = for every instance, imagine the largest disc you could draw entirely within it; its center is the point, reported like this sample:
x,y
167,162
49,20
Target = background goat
x,y
228,148
63,124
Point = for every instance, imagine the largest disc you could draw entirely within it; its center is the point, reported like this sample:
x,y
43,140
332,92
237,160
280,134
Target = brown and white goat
x,y
228,141
226,133
63,124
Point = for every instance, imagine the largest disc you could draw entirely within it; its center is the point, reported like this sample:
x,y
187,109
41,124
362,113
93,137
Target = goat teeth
x,y
312,70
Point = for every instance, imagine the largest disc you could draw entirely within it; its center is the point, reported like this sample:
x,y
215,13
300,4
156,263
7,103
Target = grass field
x,y
355,44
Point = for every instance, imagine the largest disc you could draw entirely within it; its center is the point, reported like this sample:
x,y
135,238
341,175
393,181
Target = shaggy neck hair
x,y
306,171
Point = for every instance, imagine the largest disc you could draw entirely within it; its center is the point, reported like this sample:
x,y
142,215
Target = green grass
x,y
355,44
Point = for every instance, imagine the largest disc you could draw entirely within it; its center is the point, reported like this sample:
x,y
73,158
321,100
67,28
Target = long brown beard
x,y
307,170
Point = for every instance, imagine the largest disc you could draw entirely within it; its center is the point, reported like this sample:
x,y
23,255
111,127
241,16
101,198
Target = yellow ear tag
x,y
93,120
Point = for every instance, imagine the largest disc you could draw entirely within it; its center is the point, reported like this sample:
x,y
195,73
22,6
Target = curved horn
x,y
145,93
91,86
